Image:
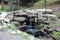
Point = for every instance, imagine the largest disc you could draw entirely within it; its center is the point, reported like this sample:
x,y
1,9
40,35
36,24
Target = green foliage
x,y
58,1
56,35
5,9
47,12
56,24
39,4
12,26
42,26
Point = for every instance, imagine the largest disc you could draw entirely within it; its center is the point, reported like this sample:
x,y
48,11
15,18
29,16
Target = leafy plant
x,y
56,35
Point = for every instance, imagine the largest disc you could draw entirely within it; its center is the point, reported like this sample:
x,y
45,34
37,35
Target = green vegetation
x,y
57,1
38,4
57,13
56,35
5,8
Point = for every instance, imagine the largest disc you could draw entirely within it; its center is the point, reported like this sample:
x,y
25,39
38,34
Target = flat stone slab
x,y
6,35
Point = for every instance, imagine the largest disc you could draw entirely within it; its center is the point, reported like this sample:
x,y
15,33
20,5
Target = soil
x,y
54,7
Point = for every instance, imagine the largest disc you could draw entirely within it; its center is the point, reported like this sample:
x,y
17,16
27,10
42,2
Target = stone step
x,y
14,22
19,18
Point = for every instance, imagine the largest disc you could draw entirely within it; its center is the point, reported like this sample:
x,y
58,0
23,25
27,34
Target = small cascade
x,y
30,24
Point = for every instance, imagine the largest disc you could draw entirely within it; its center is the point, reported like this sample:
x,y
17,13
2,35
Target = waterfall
x,y
30,26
